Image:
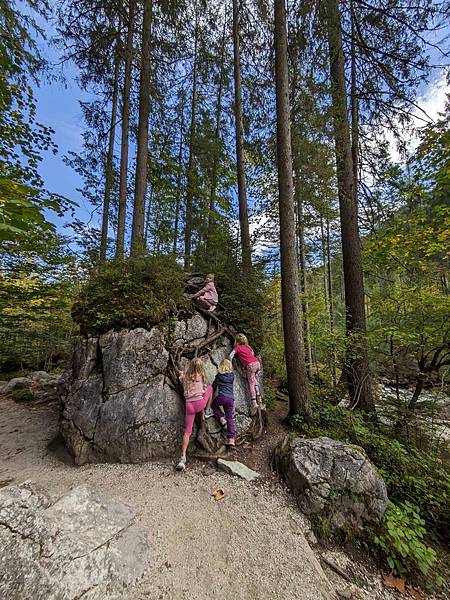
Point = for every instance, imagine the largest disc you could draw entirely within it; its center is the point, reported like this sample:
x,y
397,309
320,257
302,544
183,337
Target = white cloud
x,y
430,103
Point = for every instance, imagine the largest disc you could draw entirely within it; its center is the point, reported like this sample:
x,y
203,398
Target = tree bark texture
x,y
290,292
123,177
179,176
190,168
331,304
356,361
242,185
109,175
212,196
303,281
137,233
354,105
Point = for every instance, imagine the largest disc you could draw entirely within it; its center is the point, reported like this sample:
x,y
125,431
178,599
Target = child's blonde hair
x,y
241,339
195,367
225,366
211,276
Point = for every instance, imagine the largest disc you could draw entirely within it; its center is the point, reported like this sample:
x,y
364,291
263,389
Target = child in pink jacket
x,y
197,394
207,297
251,365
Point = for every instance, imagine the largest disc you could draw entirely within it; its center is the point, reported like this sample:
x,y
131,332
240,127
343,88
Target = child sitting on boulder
x,y
197,395
207,297
224,401
251,365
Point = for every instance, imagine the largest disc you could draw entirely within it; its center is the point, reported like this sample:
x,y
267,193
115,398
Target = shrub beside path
x,y
250,545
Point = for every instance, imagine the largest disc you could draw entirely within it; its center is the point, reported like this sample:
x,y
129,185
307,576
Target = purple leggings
x,y
227,404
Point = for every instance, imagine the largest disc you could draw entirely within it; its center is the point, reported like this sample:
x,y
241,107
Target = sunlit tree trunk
x,y
212,196
179,178
123,180
137,233
290,289
190,168
303,279
242,185
109,174
331,304
356,363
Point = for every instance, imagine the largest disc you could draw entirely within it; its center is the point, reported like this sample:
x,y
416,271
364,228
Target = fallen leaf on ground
x,y
414,593
218,494
394,582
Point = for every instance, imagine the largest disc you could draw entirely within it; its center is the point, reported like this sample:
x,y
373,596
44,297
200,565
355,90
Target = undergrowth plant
x,y
417,482
399,539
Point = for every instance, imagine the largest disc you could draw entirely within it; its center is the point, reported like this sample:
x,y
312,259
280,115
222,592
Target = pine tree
x,y
292,319
240,166
124,143
137,233
356,362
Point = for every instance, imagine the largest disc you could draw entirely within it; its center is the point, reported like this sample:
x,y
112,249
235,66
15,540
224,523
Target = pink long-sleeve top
x,y
208,292
193,390
246,354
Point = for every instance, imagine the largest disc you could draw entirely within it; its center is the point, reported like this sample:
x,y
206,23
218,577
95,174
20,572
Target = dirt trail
x,y
248,546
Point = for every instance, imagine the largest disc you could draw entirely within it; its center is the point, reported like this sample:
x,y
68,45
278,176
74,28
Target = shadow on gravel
x,y
58,448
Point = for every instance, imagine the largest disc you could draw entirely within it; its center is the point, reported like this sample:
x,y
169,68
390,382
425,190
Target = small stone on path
x,y
233,467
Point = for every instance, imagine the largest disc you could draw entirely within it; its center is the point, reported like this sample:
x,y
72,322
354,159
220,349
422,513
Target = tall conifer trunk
x,y
212,195
290,291
179,176
354,104
356,363
331,304
137,233
303,281
242,185
123,180
190,168
109,175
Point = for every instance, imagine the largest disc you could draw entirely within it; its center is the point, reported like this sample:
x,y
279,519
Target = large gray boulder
x,y
82,545
333,481
121,401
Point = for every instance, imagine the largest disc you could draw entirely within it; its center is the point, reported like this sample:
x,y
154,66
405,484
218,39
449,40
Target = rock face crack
x,y
91,545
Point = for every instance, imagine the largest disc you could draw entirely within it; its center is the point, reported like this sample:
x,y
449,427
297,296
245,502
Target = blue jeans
x,y
227,404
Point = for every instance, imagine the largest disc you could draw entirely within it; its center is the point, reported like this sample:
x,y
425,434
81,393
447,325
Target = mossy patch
x,y
135,292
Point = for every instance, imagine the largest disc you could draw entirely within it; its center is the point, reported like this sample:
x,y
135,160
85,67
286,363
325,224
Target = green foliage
x,y
22,139
400,540
273,347
136,292
243,295
412,241
22,393
410,474
37,277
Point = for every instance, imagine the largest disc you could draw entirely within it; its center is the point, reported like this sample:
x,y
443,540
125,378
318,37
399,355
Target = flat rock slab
x,y
233,467
82,545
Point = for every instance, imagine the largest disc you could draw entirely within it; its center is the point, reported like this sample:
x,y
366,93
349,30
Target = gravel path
x,y
250,545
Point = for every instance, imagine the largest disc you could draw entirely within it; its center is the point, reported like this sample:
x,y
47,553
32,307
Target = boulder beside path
x,y
332,481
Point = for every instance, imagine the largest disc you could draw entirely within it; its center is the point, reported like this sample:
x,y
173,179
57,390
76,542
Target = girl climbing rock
x,y
207,297
197,395
223,403
251,365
